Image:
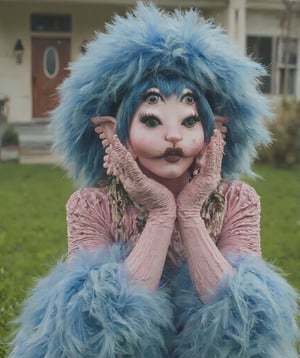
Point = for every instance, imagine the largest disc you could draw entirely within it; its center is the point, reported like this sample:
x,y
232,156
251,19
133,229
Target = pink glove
x,y
150,194
206,179
147,259
206,263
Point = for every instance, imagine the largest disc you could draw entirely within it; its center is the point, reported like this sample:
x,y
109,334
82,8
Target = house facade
x,y
39,38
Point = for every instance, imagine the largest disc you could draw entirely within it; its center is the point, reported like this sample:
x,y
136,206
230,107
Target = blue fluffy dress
x,y
87,308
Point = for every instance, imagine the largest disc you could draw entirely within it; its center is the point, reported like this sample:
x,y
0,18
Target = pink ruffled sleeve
x,y
88,220
241,227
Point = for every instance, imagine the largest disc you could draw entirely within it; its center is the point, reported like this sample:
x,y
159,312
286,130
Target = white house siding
x,y
241,17
15,79
267,23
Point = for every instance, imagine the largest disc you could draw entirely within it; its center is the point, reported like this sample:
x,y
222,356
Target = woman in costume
x,y
164,254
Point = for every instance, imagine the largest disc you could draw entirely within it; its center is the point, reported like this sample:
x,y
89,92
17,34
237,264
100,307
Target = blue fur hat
x,y
171,50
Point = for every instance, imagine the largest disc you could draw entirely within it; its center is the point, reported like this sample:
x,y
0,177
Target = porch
x,y
36,139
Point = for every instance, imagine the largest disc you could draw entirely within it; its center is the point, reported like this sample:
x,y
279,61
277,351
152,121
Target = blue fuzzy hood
x,y
147,43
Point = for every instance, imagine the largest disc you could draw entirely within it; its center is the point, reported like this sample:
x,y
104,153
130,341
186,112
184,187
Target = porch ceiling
x,y
272,4
200,3
250,4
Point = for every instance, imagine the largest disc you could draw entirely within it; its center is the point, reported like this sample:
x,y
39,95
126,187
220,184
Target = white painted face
x,y
166,134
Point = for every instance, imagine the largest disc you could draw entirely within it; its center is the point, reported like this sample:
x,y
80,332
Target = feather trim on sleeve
x,y
88,308
253,314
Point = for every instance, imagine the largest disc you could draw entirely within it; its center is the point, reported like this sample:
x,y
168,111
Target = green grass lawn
x,y
33,229
279,190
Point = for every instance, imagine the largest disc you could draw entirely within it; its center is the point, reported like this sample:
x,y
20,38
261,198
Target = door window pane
x,y
51,62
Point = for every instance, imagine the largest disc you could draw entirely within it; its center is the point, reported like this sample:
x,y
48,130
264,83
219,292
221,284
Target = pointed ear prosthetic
x,y
105,127
150,44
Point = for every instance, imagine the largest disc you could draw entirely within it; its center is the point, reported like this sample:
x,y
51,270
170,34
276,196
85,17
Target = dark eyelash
x,y
195,117
143,117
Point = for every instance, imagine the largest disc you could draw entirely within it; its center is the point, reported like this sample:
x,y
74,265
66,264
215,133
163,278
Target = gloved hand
x,y
118,161
207,176
147,259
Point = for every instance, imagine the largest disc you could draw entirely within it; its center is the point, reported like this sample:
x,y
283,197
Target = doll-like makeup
x,y
166,133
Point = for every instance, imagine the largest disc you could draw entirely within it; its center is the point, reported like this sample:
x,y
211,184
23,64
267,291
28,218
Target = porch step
x,y
36,139
38,156
36,135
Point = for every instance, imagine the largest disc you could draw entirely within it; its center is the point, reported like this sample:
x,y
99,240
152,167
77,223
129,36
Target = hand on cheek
x,y
212,158
199,161
221,122
119,162
206,178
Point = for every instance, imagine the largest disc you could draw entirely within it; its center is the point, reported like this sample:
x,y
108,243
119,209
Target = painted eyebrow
x,y
153,91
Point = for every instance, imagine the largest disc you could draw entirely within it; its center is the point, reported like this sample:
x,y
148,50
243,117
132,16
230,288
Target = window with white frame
x,y
279,56
260,49
286,55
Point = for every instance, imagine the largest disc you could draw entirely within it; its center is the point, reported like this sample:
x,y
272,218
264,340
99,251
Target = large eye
x,y
190,122
150,121
188,98
152,98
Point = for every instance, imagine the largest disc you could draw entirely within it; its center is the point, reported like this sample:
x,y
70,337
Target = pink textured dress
x,y
90,222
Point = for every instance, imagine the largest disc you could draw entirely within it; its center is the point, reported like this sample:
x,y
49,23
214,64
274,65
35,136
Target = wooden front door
x,y
50,58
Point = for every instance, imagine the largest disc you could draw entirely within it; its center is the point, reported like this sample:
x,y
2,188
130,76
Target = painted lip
x,y
172,155
172,158
174,152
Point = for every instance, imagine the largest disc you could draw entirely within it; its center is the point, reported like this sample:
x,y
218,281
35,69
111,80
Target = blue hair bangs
x,y
167,87
162,49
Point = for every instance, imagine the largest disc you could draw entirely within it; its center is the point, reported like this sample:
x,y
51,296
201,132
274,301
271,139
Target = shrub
x,y
9,137
3,109
285,148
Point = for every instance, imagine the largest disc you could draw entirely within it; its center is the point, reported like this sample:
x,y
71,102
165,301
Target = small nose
x,y
173,137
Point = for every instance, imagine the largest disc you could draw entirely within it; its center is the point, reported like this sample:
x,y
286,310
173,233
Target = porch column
x,y
237,23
